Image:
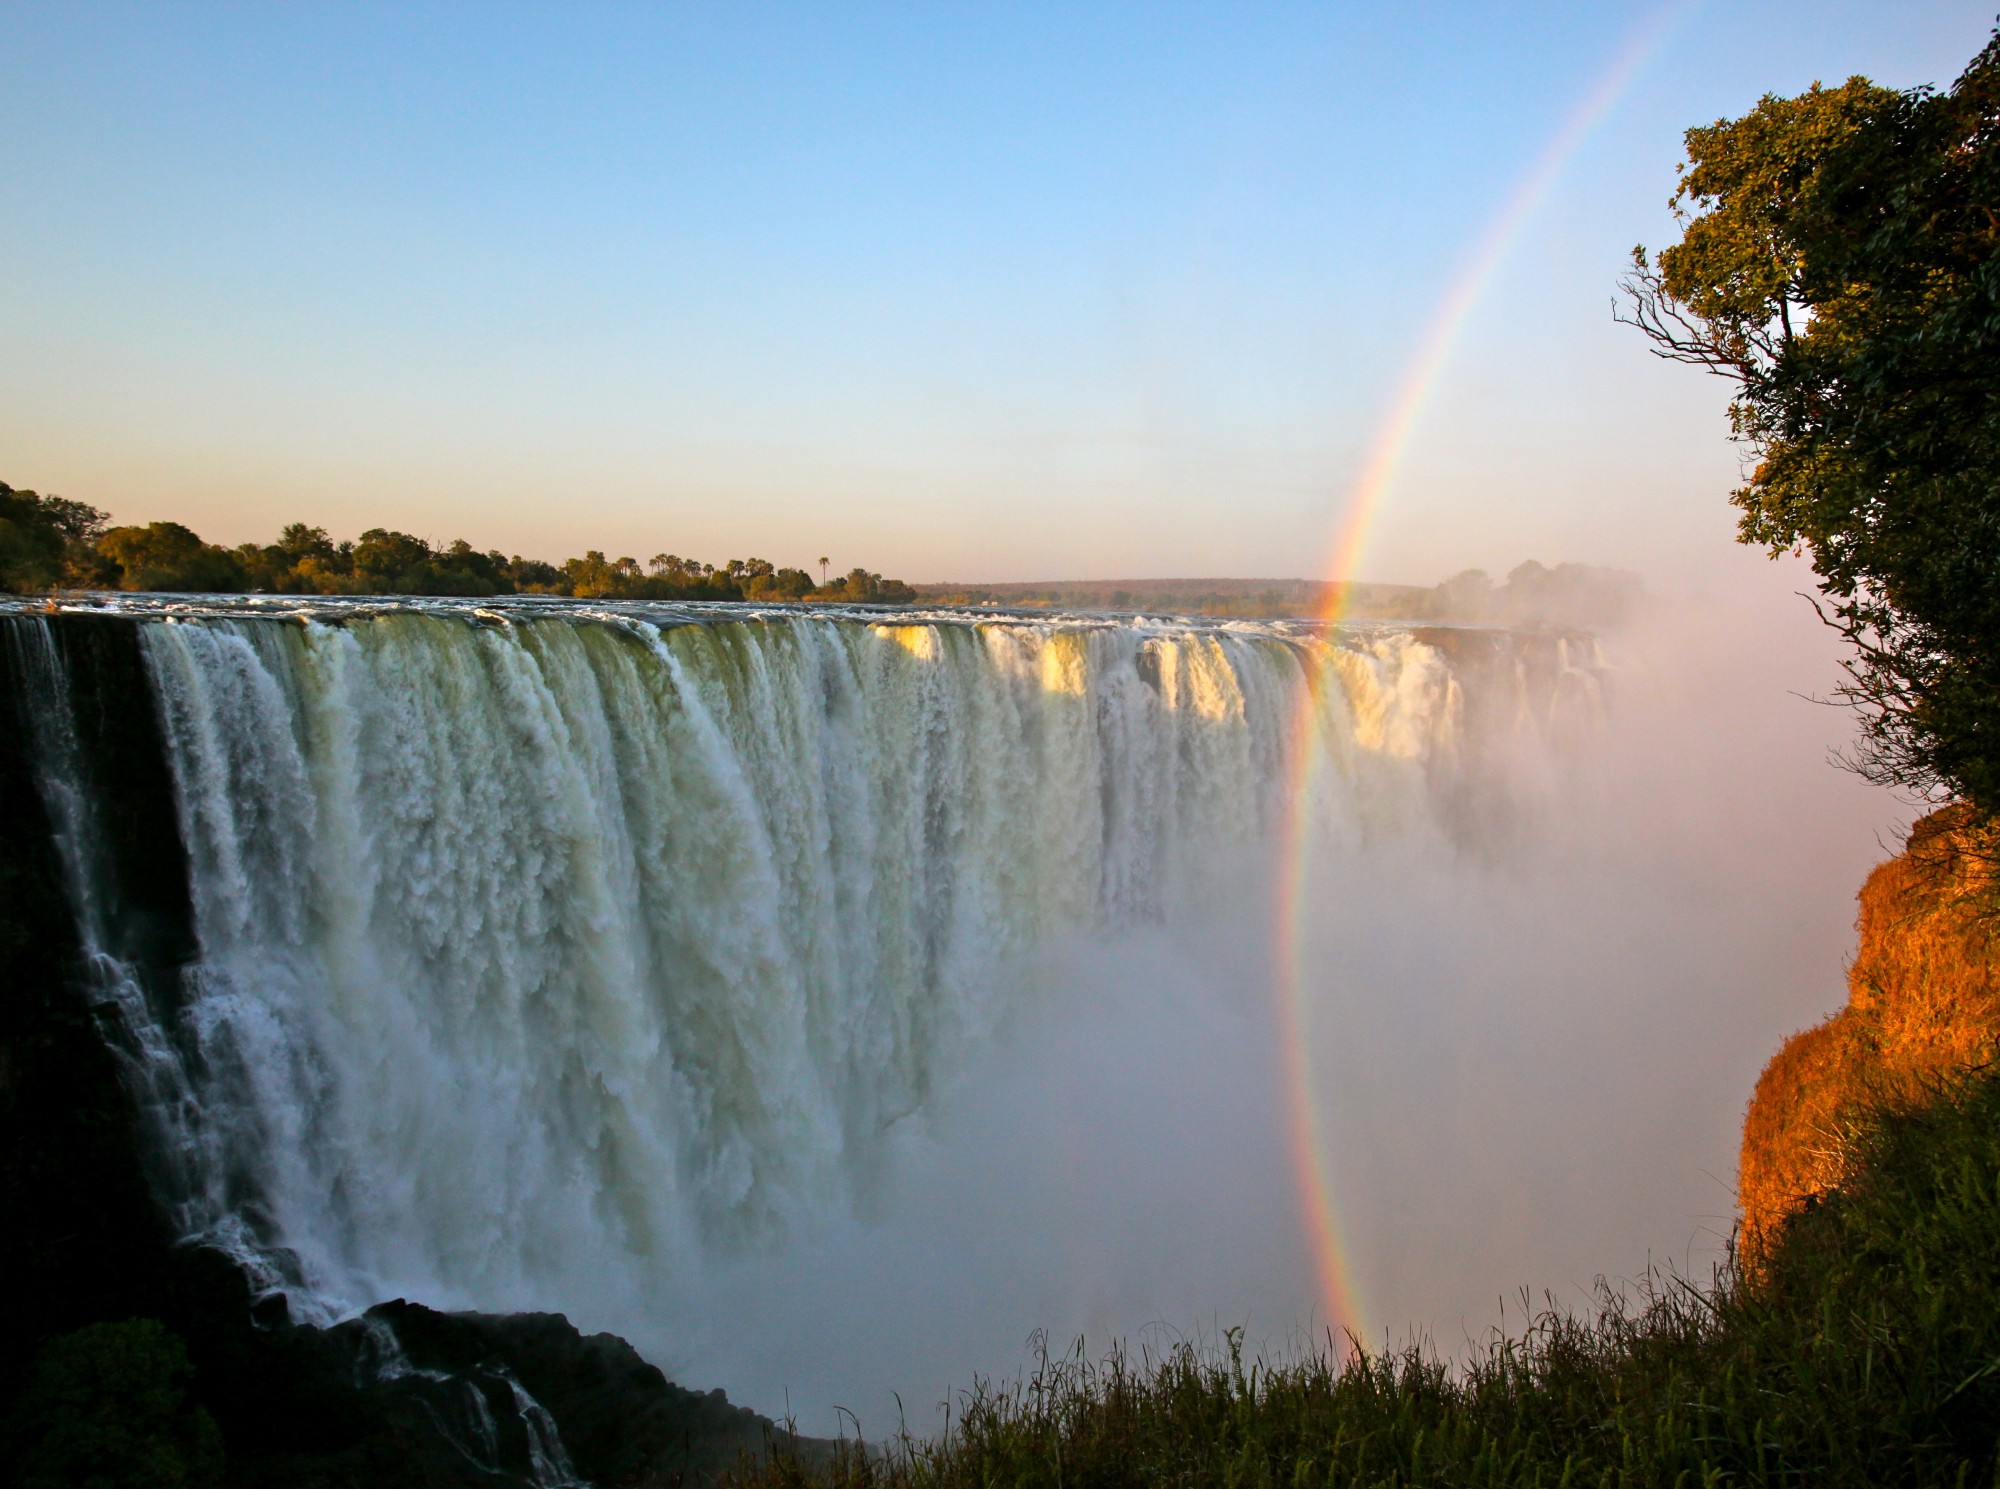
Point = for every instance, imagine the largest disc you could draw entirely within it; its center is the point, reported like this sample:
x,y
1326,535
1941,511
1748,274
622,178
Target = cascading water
x,y
545,949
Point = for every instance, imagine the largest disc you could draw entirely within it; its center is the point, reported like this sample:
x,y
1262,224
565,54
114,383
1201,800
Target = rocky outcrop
x,y
1923,1004
406,1395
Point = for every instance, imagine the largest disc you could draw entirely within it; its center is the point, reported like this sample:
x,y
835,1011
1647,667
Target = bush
x,y
108,1408
45,541
166,557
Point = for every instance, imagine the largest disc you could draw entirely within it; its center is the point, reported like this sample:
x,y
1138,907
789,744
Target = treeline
x,y
1259,598
1580,595
50,543
1568,596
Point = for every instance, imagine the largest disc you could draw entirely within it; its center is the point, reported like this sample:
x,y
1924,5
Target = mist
x,y
1531,1060
829,1006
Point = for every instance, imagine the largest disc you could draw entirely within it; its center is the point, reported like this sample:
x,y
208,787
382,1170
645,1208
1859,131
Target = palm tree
x,y
822,573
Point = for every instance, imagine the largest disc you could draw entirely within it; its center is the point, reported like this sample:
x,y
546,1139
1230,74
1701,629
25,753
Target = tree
x,y
868,588
532,576
1569,595
45,541
385,562
391,562
1838,265
166,556
786,584
673,569
48,542
594,577
110,1407
1466,596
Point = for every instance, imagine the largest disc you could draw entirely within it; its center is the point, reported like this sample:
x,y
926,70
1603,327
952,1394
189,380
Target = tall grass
x,y
1866,1351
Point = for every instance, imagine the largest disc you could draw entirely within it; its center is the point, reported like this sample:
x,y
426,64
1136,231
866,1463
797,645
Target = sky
x,y
965,292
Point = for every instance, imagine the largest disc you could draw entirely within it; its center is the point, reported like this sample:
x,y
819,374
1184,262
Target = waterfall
x,y
545,949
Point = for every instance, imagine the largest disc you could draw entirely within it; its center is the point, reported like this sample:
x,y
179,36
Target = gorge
x,y
524,957
545,956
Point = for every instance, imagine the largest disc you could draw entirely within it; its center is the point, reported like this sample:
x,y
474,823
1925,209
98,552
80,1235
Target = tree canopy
x,y
40,534
48,543
1837,263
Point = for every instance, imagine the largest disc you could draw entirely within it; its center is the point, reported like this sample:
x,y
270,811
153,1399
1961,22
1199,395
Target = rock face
x,y
1923,1003
405,1395
402,1396
83,1240
408,1395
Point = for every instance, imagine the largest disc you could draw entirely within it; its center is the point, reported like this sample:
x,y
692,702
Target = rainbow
x,y
1312,1163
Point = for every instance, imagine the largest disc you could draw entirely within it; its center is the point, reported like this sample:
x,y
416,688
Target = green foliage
x,y
44,540
788,584
166,557
862,587
1581,596
49,543
1838,265
666,578
1867,1353
108,1408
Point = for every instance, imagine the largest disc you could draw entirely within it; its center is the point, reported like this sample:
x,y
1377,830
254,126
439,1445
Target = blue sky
x,y
955,291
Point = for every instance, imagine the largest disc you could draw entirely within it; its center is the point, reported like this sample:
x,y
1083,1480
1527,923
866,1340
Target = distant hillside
x,y
1567,595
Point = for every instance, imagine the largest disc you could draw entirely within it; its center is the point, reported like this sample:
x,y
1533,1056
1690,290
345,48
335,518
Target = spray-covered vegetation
x,y
49,543
1568,596
109,1405
1866,1352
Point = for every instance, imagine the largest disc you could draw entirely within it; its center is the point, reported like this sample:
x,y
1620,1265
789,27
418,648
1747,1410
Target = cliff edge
x,y
1923,1003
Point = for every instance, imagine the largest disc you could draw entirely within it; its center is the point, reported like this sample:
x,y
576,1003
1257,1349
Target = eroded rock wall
x,y
1923,1003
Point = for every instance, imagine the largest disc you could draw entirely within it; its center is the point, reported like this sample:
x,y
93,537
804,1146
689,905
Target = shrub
x,y
108,1408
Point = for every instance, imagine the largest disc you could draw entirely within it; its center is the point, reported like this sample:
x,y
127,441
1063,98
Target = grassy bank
x,y
1866,1352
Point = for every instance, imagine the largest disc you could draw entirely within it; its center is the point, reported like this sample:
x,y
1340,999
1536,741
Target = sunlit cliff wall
x,y
1923,1003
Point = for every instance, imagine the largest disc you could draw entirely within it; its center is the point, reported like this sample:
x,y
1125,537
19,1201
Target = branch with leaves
x,y
1837,264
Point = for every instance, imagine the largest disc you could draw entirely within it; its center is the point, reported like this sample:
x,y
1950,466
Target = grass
x,y
1866,1351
